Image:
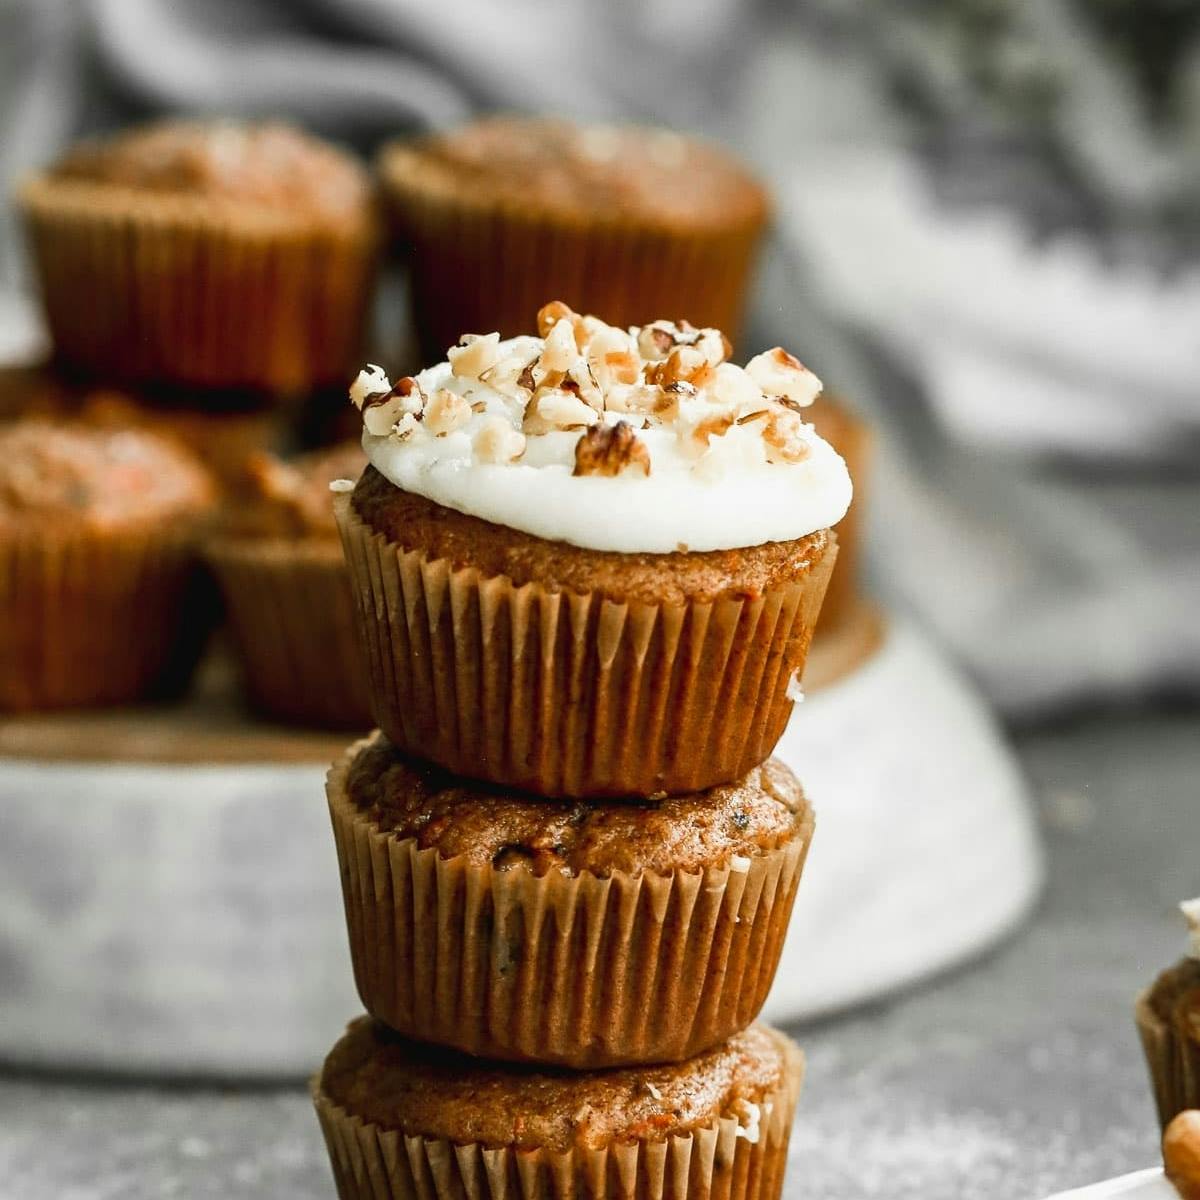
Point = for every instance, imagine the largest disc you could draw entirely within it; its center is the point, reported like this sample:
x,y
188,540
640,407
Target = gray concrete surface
x,y
1014,1077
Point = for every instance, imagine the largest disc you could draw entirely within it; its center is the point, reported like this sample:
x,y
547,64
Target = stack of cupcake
x,y
202,283
587,565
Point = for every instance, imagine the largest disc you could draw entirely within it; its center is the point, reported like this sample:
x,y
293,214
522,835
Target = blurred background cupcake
x,y
279,562
207,254
628,223
100,599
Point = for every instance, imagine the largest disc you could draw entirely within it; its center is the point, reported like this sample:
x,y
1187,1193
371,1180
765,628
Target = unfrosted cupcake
x,y
1168,1019
99,534
403,1120
589,563
668,916
213,254
625,221
222,432
281,570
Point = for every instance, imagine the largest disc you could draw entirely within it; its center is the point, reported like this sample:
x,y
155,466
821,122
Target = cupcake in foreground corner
x,y
99,533
620,220
669,916
401,1119
1168,1019
214,254
281,570
589,562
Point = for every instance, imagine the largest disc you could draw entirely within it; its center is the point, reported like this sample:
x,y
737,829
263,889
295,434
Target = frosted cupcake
x,y
589,562
404,1120
1168,1019
210,254
668,916
620,220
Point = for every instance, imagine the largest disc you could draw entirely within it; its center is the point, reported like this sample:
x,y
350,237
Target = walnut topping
x,y
669,379
781,374
446,412
381,410
713,425
784,437
498,442
560,351
474,354
372,380
563,410
609,450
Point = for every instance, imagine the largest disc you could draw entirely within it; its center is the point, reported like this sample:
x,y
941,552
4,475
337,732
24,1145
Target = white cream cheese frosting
x,y
639,441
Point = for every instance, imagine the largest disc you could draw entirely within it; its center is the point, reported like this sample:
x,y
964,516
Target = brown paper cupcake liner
x,y
1174,1062
292,615
564,694
716,1162
96,618
581,971
478,266
161,289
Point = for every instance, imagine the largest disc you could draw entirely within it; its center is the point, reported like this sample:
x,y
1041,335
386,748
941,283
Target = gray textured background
x,y
1010,1079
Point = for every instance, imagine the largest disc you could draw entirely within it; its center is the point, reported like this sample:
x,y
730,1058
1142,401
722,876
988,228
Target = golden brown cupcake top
x,y
430,1091
265,166
104,479
604,172
721,826
290,498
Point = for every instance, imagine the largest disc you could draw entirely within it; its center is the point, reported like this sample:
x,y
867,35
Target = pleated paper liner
x,y
720,1161
479,265
92,618
292,615
1172,1054
581,971
574,695
167,289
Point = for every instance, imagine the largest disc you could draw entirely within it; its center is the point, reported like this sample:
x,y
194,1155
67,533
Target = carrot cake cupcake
x,y
1168,1019
98,555
669,915
213,254
222,432
281,570
589,562
625,221
401,1119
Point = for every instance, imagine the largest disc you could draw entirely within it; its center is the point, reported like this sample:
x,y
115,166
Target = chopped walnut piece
x,y
685,364
560,350
609,450
381,410
563,410
550,314
371,381
784,438
498,442
511,376
715,424
580,380
446,412
613,358
781,374
474,354
646,400
731,387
